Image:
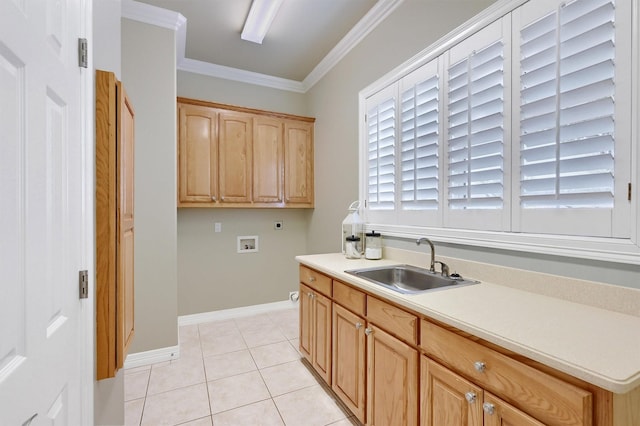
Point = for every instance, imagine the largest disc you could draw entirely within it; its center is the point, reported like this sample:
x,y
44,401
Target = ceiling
x,y
303,33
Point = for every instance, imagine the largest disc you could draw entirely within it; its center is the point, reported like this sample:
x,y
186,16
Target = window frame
x,y
611,249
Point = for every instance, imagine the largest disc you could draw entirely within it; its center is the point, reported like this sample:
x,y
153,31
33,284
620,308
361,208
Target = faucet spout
x,y
432,266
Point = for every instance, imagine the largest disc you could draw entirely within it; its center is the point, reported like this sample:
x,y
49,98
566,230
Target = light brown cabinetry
x,y
349,347
449,399
315,321
392,380
198,154
267,160
235,165
415,369
374,373
547,398
239,157
298,167
115,326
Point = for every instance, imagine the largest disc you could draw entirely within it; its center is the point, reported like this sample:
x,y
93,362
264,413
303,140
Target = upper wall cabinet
x,y
238,157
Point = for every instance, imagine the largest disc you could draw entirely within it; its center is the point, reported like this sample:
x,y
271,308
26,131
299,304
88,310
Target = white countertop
x,y
597,345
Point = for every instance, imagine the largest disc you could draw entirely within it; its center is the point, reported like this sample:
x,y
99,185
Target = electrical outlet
x,y
218,226
293,296
278,225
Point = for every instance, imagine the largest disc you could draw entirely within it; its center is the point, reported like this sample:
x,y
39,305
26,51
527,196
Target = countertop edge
x,y
618,386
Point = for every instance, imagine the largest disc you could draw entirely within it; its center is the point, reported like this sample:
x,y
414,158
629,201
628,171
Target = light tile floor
x,y
240,372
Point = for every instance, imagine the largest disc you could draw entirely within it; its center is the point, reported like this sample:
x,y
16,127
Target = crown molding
x,y
235,74
368,23
153,15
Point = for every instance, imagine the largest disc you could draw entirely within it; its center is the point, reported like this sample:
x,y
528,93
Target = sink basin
x,y
409,279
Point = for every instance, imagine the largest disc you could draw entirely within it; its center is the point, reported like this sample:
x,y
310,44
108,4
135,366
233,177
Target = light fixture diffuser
x,y
259,19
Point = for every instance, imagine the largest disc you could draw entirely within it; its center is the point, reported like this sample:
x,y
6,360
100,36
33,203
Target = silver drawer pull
x,y
312,279
471,397
368,331
358,325
480,366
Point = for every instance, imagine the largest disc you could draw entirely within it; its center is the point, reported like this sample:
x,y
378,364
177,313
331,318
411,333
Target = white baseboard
x,y
153,356
244,311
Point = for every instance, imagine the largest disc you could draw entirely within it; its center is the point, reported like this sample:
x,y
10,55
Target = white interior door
x,y
45,215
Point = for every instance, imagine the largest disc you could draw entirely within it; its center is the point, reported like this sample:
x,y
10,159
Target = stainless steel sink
x,y
409,279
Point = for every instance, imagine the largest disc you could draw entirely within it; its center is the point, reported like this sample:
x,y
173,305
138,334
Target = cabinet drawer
x,y
349,297
394,320
315,280
545,397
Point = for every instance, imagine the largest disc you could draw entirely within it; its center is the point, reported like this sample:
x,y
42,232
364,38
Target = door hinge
x,y
83,284
83,53
629,192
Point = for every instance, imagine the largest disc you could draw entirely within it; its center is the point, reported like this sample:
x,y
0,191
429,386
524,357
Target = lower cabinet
x,y
392,380
448,399
374,373
315,330
393,367
349,360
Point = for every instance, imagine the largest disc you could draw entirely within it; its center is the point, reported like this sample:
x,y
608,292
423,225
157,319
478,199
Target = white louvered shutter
x,y
381,145
419,145
476,130
477,98
568,119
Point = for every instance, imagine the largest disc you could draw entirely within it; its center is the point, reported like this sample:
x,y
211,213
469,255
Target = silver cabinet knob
x,y
312,279
479,366
488,408
213,198
358,325
470,397
368,331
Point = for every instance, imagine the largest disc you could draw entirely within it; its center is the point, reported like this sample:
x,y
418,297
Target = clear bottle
x,y
353,225
373,245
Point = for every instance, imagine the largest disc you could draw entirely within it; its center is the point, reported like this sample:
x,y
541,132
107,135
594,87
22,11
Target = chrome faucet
x,y
432,265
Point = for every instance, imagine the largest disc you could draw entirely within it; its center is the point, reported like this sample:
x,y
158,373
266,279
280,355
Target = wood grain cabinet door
x,y
235,157
500,413
392,377
298,163
267,160
446,398
349,360
197,154
125,226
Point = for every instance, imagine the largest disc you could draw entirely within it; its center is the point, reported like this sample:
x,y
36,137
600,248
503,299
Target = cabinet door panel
x,y
322,336
306,322
504,414
349,352
298,168
267,160
235,164
198,154
443,397
392,373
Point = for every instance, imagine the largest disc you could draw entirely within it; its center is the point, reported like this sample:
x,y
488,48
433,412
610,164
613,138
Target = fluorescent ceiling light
x,y
259,19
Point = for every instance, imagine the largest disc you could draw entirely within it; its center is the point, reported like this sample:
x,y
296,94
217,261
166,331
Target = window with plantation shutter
x,y
419,145
567,108
476,134
515,132
477,97
381,130
567,137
